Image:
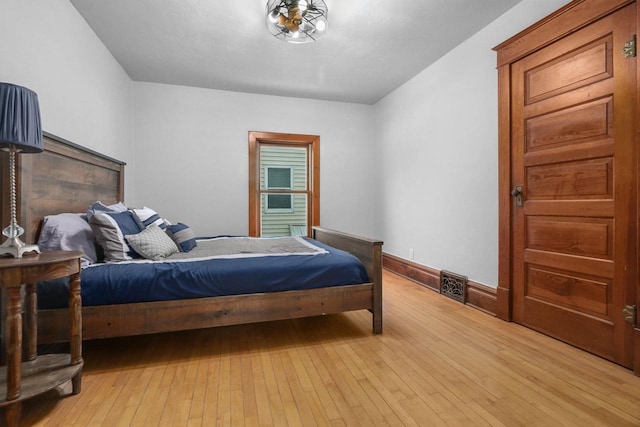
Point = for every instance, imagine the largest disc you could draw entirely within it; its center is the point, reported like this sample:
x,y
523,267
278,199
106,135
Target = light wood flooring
x,y
438,362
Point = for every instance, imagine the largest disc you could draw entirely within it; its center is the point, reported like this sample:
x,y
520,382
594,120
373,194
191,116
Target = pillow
x,y
183,236
68,232
109,230
99,207
152,243
148,217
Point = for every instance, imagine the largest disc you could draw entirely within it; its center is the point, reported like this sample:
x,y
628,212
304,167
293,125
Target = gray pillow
x,y
99,207
152,243
109,230
68,232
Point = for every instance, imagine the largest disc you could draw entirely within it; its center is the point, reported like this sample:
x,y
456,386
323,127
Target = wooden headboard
x,y
65,177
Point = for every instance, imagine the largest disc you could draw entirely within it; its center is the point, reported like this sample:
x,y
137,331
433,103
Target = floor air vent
x,y
453,285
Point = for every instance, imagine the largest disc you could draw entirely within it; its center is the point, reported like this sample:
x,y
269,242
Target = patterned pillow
x,y
152,243
148,216
109,230
183,236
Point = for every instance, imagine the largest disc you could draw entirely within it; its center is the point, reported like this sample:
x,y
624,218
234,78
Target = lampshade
x,y
20,125
297,21
20,132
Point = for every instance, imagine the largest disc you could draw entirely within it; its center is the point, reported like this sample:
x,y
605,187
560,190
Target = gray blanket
x,y
242,247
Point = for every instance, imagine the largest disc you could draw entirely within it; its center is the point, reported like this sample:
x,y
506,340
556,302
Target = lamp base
x,y
15,247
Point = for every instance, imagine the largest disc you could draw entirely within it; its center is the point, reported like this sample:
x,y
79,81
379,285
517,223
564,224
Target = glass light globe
x,y
301,21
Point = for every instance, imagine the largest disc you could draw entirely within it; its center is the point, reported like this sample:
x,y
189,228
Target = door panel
x,y
576,68
569,126
574,256
589,295
582,179
571,235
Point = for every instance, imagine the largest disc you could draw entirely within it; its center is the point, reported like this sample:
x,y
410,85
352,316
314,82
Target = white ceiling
x,y
371,47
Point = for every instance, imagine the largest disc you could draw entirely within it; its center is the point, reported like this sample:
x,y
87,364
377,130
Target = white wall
x,y
85,96
191,150
436,140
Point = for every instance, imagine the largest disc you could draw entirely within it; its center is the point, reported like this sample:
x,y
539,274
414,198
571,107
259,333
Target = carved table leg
x,y
14,343
75,318
30,323
12,414
14,354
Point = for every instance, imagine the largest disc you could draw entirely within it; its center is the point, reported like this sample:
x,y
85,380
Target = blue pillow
x,y
109,230
182,235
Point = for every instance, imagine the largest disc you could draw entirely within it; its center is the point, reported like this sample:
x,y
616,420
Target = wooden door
x,y
573,118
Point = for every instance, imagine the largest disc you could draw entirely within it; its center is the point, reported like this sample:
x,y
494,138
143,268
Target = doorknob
x,y
517,193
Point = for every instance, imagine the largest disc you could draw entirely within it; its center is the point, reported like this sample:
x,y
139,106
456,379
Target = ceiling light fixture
x,y
297,21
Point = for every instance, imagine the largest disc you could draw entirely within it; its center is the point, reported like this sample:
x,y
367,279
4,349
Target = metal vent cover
x,y
453,285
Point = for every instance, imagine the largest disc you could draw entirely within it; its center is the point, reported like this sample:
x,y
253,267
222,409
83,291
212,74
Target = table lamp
x,y
20,132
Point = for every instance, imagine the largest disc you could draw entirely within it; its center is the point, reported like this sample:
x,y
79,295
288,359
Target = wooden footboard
x,y
369,252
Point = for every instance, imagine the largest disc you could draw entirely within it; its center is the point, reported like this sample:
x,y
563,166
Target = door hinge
x,y
630,313
629,49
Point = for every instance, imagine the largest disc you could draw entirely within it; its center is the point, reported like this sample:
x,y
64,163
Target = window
x,y
279,203
283,184
279,178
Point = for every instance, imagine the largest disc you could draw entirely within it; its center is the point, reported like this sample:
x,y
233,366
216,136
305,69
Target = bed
x,y
67,178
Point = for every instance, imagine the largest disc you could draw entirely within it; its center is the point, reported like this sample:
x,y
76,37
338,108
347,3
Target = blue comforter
x,y
121,283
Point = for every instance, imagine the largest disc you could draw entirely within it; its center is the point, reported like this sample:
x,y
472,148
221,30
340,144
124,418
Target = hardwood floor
x,y
438,362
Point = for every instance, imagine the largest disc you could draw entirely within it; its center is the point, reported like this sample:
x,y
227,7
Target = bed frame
x,y
67,178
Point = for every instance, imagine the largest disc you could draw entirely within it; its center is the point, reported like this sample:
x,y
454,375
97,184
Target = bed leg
x,y
377,323
376,313
377,289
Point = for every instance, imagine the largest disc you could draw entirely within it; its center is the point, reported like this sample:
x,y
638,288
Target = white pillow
x,y
148,217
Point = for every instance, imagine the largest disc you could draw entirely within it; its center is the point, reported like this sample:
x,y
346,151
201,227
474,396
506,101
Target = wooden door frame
x,y
559,24
257,138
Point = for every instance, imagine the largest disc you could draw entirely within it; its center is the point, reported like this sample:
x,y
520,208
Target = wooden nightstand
x,y
31,375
